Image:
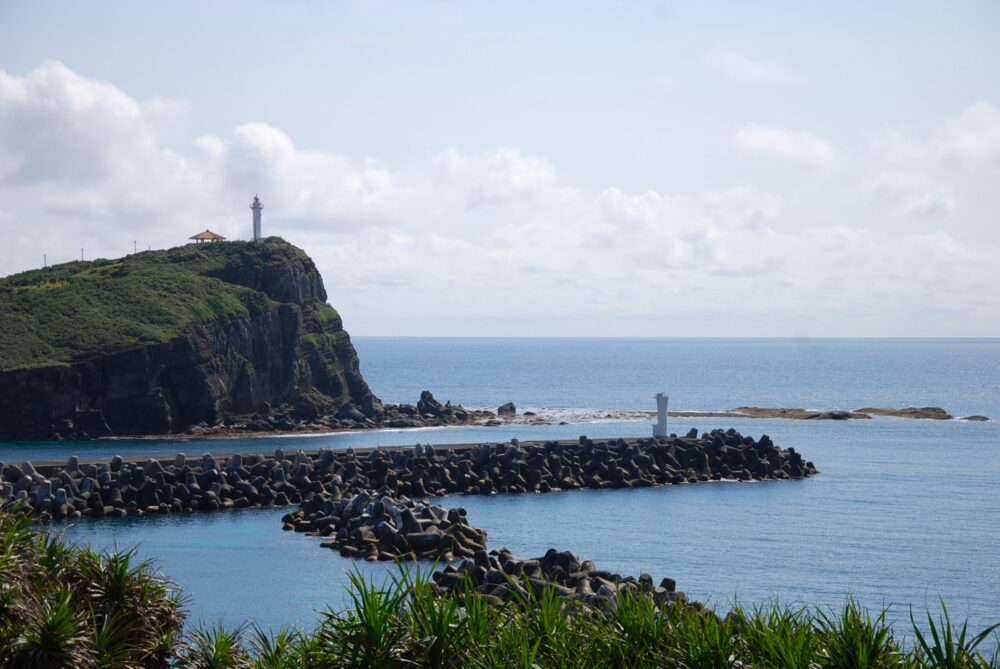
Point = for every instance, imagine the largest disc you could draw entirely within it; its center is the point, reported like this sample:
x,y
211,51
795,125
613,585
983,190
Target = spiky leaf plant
x,y
53,635
61,605
854,639
946,647
703,640
778,637
370,632
215,648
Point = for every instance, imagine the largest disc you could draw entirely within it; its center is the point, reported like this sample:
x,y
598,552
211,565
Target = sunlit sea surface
x,y
903,512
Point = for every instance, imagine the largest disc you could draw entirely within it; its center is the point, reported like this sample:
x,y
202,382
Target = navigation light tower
x,y
256,206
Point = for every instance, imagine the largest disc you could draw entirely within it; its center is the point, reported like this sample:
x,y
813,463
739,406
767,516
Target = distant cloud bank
x,y
495,241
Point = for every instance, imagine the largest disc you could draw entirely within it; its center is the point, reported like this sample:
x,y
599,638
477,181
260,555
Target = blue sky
x,y
652,168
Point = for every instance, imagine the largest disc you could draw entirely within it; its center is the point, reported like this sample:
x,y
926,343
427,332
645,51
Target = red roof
x,y
206,236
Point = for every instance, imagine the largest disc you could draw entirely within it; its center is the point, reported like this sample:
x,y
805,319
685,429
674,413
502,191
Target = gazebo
x,y
207,236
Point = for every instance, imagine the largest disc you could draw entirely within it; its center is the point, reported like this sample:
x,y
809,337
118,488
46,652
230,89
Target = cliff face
x,y
253,333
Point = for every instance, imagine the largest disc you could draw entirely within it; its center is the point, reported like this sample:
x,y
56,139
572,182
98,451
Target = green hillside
x,y
49,315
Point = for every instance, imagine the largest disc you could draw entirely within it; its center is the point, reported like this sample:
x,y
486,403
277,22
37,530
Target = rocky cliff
x,y
158,342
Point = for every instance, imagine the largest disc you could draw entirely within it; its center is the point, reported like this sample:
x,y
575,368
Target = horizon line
x,y
991,338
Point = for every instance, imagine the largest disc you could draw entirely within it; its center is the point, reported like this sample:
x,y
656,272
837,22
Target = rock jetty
x,y
501,577
387,528
321,482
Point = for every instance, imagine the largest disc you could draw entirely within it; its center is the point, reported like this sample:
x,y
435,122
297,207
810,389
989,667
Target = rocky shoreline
x,y
305,419
428,412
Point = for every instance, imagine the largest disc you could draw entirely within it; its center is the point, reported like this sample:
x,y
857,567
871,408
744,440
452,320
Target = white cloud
x,y
740,68
910,193
971,137
467,243
662,81
794,146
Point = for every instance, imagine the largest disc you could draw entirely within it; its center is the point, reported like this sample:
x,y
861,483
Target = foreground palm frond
x,y
63,606
947,647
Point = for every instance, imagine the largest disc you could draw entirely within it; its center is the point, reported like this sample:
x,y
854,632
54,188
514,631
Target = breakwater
x,y
374,504
387,528
500,576
206,483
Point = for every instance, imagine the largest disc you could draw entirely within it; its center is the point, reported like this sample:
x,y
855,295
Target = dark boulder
x,y
427,405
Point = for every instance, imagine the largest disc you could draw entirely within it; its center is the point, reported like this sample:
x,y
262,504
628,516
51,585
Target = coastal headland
x,y
158,342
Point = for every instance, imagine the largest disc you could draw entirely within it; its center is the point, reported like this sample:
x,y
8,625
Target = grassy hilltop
x,y
48,316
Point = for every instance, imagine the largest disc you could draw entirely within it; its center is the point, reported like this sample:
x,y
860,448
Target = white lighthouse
x,y
660,428
256,206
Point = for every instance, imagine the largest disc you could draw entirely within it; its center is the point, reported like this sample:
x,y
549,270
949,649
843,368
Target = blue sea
x,y
903,512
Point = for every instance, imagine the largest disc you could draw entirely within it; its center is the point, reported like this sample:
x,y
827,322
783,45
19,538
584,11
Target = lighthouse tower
x,y
256,206
660,428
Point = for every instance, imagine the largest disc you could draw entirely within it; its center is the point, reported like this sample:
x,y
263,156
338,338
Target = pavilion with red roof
x,y
207,236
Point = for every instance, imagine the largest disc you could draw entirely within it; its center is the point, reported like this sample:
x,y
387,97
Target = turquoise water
x,y
902,513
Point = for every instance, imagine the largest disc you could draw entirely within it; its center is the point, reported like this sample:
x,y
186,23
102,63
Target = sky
x,y
547,169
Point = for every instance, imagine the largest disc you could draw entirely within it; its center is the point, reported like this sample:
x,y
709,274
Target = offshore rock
x,y
507,410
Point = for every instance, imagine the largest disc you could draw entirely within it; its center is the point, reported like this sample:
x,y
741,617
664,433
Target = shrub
x,y
62,606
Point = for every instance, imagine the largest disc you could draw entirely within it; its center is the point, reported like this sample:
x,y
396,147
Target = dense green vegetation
x,y
62,606
49,315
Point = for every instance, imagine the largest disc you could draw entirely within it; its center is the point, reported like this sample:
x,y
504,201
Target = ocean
x,y
902,513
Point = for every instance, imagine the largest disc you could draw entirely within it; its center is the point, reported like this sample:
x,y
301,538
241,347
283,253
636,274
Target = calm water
x,y
960,375
903,512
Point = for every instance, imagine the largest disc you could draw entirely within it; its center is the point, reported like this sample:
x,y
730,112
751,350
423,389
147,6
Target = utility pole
x,y
45,260
133,247
81,255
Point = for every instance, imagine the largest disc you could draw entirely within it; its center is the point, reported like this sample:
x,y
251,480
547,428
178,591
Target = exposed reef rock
x,y
916,413
501,577
549,416
801,414
920,413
